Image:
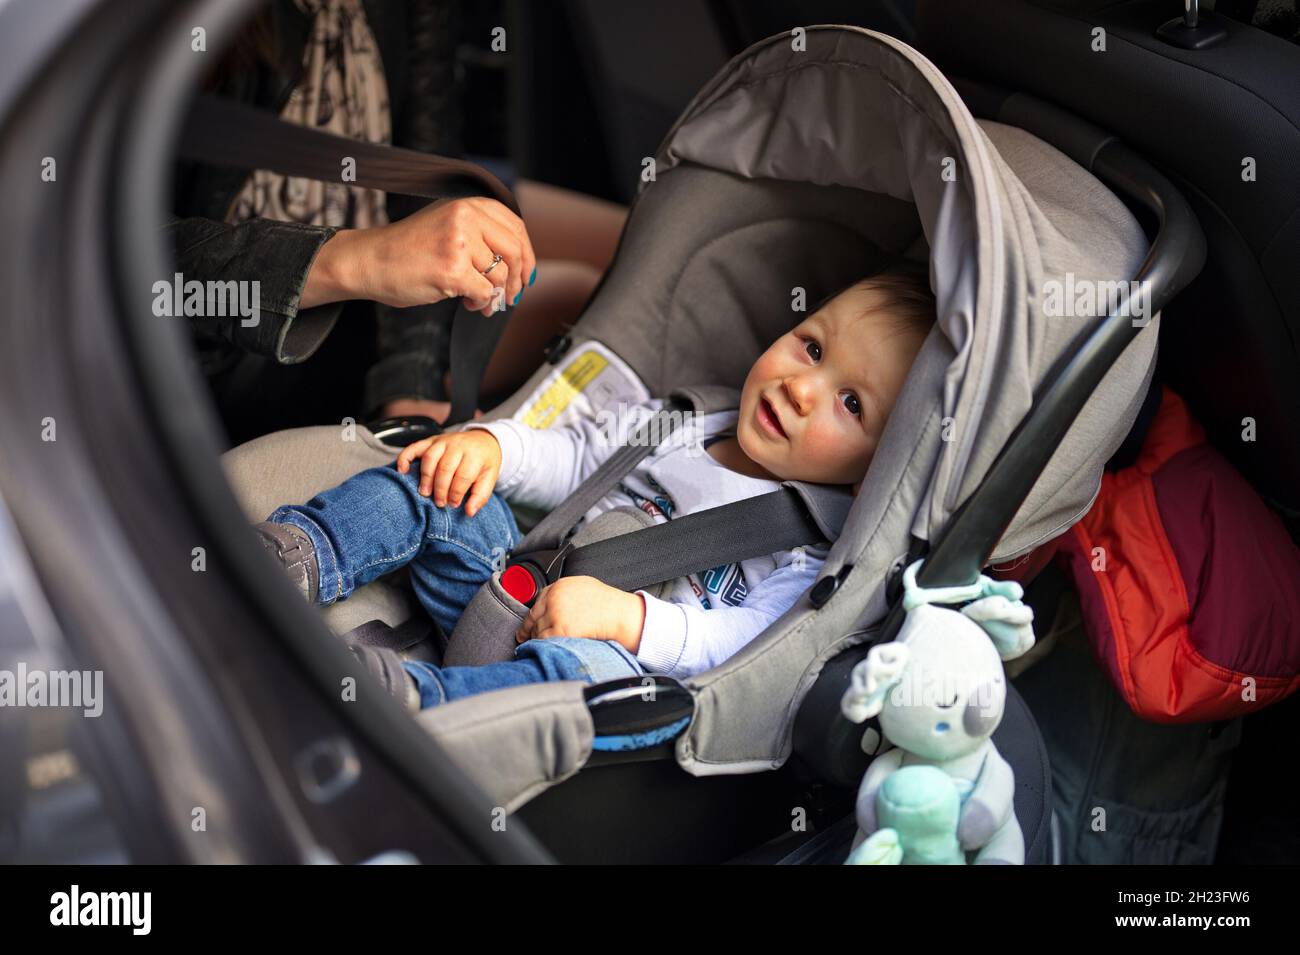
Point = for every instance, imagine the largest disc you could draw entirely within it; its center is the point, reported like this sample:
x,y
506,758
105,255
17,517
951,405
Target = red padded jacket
x,y
1189,584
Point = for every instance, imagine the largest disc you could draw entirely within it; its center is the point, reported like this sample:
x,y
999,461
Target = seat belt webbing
x,y
551,530
697,542
689,544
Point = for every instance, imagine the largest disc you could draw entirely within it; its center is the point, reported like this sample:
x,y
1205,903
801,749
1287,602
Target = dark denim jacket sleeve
x,y
278,256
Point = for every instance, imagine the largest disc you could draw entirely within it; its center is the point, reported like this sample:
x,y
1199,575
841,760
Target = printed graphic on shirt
x,y
722,586
726,583
661,505
700,595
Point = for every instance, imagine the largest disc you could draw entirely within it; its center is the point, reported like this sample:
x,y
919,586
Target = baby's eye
x,y
813,349
852,404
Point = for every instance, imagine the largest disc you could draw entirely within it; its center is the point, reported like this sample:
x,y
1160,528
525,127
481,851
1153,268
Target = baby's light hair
x,y
904,290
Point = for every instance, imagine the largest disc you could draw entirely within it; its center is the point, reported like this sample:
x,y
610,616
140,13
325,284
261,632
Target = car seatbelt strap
x,y
550,532
692,543
697,542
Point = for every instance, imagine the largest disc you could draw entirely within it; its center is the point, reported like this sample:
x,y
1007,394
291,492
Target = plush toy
x,y
917,809
939,690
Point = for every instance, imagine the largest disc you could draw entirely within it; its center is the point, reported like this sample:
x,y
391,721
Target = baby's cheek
x,y
836,457
824,447
762,370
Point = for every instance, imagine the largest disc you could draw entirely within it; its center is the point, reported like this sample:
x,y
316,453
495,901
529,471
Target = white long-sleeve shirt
x,y
708,616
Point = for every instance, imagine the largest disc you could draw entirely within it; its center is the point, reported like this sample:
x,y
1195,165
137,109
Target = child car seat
x,y
774,197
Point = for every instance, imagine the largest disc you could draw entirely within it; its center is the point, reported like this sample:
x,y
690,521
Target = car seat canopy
x,y
807,169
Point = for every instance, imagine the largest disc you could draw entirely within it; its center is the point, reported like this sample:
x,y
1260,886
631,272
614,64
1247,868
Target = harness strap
x,y
795,516
695,542
550,531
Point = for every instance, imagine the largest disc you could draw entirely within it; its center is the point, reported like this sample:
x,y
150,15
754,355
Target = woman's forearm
x,y
332,277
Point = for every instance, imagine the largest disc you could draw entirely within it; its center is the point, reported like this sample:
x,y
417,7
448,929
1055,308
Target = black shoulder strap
x,y
551,530
797,515
226,133
697,542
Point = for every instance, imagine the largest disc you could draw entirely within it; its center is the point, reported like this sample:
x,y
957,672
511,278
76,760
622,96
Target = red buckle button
x,y
519,583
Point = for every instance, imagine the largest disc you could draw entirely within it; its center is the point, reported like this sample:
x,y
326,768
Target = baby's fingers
x,y
411,452
447,468
480,493
428,465
525,632
466,474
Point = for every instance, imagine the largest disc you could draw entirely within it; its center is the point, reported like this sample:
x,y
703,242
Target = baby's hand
x,y
453,464
585,607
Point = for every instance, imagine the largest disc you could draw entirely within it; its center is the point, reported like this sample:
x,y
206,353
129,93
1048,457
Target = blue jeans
x,y
377,521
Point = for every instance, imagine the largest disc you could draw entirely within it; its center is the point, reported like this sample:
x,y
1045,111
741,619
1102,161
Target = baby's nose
x,y
798,392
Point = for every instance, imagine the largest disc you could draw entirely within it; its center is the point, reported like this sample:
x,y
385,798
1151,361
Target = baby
x,y
812,408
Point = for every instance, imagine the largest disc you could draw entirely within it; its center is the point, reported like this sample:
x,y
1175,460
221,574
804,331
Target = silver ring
x,y
496,260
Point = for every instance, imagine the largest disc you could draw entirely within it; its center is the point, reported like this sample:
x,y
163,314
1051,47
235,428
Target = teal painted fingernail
x,y
518,296
533,278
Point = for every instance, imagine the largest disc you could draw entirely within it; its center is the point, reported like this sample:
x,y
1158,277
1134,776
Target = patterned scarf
x,y
342,91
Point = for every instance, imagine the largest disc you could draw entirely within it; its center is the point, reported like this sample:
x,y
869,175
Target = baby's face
x,y
815,403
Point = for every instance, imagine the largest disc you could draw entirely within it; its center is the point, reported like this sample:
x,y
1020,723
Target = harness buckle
x,y
526,575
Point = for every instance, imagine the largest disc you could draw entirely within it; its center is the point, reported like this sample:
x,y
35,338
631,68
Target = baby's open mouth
x,y
767,416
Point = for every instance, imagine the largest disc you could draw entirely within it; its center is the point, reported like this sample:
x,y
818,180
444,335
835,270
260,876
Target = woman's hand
x,y
453,465
438,253
585,607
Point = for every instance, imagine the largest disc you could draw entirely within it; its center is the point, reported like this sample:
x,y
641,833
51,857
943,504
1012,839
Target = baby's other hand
x,y
455,465
585,607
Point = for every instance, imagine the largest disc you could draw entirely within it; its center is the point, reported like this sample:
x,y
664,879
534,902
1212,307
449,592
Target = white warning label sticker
x,y
588,379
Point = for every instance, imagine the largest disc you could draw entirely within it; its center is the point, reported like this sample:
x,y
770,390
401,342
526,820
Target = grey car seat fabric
x,y
767,198
290,467
793,172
